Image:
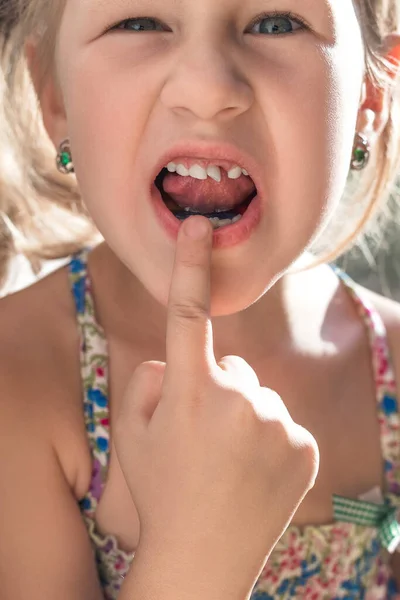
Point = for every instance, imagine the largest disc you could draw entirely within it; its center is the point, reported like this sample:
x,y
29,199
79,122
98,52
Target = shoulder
x,y
389,312
33,325
39,368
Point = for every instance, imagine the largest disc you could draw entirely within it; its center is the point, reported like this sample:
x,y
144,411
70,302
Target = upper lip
x,y
211,151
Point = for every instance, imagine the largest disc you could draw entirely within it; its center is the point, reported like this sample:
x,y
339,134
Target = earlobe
x,y
375,101
373,113
49,96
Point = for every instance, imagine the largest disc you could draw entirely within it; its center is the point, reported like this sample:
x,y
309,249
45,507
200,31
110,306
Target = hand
x,y
214,462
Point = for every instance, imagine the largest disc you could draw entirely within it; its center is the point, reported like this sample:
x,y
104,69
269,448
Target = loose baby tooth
x,y
171,167
182,170
245,173
235,173
215,173
198,172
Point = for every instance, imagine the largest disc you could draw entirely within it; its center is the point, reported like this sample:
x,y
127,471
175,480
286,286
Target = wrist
x,y
186,570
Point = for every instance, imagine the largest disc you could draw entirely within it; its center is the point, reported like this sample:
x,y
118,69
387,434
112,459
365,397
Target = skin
x,y
244,94
247,82
206,399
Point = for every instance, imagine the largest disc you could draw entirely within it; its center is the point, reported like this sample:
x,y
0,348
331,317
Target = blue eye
x,y
278,24
139,24
272,24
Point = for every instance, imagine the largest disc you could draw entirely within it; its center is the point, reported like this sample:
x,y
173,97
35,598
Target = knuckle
x,y
143,370
307,452
300,456
272,398
278,431
270,410
235,363
244,375
312,465
192,261
234,360
146,371
271,404
190,310
272,418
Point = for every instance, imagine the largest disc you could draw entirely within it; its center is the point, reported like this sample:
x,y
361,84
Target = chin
x,y
224,302
225,306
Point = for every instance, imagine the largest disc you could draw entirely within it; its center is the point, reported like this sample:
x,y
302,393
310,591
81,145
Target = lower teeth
x,y
216,210
216,222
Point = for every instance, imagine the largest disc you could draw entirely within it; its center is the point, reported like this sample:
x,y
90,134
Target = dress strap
x,y
94,373
385,382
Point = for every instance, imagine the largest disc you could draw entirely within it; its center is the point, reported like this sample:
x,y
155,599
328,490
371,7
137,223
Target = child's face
x,y
204,73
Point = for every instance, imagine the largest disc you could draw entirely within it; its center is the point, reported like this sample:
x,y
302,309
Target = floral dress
x,y
346,559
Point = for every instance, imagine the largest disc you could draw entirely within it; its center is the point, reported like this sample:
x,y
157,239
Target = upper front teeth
x,y
198,172
214,172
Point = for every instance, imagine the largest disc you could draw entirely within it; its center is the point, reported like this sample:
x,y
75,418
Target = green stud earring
x,y
361,153
64,158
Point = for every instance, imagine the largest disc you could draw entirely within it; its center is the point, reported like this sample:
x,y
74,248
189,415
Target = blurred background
x,y
375,261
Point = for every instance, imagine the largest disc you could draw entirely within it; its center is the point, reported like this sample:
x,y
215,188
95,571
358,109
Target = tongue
x,y
206,195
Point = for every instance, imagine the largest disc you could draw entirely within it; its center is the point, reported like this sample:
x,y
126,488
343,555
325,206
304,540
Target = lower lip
x,y
225,237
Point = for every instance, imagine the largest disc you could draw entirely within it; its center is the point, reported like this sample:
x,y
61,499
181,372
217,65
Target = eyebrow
x,y
308,5
102,3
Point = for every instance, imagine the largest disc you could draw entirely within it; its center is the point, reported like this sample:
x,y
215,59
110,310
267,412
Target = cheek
x,y
106,120
310,109
109,91
106,125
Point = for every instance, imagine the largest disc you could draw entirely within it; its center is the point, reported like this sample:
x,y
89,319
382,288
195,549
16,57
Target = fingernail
x,y
197,228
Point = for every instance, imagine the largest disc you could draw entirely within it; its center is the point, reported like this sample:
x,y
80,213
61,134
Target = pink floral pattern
x,y
341,560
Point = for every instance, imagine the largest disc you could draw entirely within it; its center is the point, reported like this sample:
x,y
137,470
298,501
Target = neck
x,y
262,329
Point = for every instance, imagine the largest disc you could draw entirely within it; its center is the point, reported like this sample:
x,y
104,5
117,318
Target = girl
x,y
246,116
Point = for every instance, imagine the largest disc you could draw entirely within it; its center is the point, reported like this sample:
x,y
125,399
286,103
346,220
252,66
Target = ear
x,y
375,102
49,95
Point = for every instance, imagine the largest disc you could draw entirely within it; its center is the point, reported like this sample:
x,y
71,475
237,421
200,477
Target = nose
x,y
204,83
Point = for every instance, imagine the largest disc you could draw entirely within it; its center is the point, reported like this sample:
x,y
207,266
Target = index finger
x,y
189,332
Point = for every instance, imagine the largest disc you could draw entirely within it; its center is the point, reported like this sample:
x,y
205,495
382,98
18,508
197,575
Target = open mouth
x,y
220,213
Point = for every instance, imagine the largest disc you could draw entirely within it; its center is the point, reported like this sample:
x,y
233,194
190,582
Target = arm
x,y
162,573
45,551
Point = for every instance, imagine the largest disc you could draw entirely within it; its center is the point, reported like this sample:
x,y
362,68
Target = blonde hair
x,y
41,212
